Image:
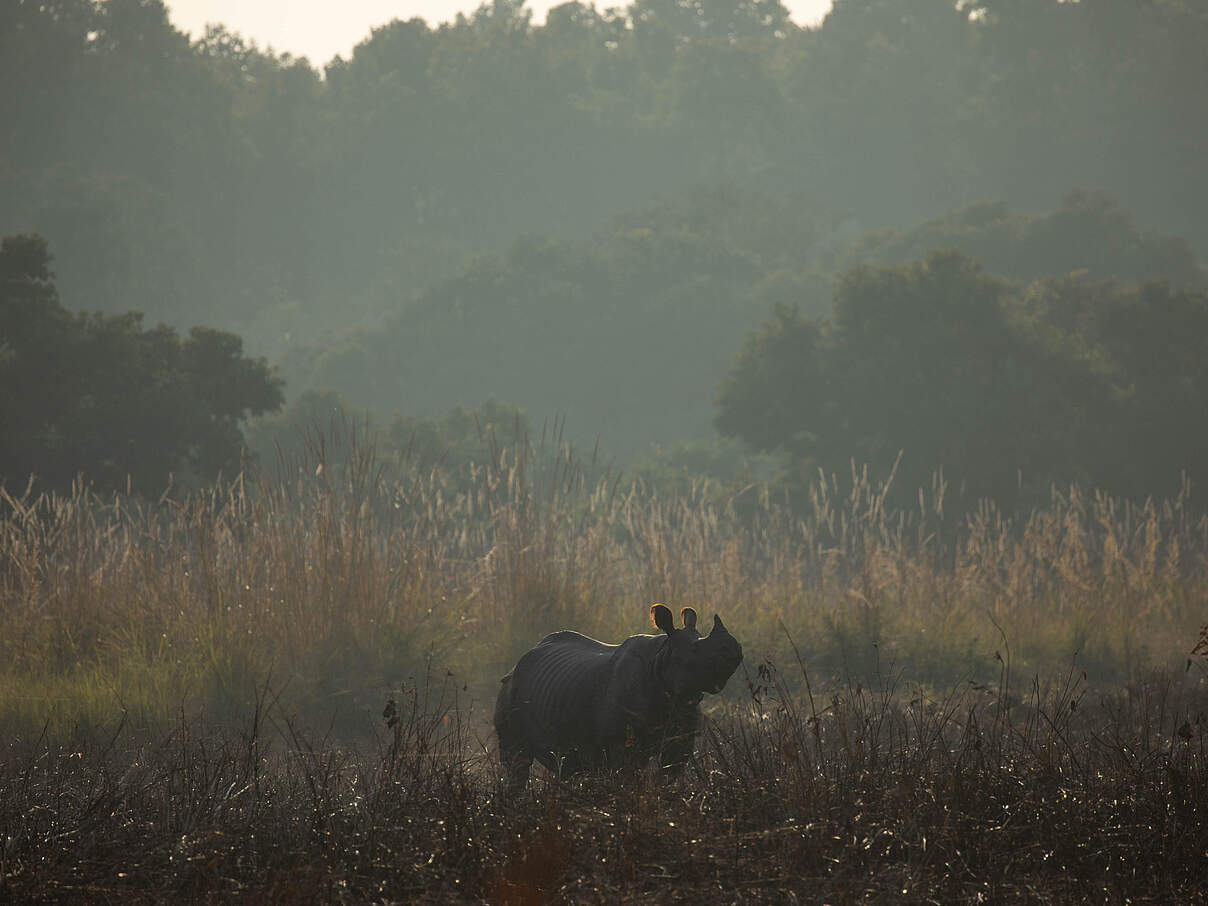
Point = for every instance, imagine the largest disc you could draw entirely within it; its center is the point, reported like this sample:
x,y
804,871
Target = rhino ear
x,y
688,615
661,615
718,624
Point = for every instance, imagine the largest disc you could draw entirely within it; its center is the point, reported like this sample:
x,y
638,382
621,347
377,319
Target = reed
x,y
279,689
342,575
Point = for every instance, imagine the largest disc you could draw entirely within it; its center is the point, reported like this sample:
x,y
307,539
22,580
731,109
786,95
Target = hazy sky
x,y
320,29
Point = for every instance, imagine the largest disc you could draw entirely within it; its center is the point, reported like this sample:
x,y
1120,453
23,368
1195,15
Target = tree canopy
x,y
101,396
628,332
585,216
939,365
272,196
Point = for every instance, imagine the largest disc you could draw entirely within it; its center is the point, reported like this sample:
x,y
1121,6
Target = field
x,y
279,691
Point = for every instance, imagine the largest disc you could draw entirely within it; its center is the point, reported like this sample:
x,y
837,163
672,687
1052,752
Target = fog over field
x,y
335,375
585,216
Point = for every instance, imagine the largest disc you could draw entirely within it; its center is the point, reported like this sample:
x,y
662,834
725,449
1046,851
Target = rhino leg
x,y
676,749
514,755
516,763
675,756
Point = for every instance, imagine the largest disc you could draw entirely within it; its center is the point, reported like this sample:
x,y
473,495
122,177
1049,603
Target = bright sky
x,y
320,29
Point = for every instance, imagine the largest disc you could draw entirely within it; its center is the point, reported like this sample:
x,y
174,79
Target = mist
x,y
327,393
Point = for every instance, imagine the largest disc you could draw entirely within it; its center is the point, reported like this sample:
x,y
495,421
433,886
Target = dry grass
x,y
343,579
165,666
877,795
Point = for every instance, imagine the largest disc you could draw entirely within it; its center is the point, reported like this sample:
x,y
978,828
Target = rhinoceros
x,y
576,704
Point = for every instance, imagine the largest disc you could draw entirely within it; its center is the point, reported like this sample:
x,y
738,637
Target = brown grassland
x,y
279,691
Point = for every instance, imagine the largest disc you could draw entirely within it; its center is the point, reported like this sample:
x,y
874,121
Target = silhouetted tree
x,y
100,396
1075,379
921,361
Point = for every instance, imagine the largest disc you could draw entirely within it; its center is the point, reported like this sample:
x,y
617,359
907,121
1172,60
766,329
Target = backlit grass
x,y
341,581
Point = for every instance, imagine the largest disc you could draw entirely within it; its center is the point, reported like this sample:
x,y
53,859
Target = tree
x,y
1147,342
623,334
728,20
1090,231
1007,390
101,396
925,361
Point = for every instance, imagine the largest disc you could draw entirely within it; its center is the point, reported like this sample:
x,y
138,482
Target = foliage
x,y
213,180
623,335
408,227
724,467
1090,232
463,437
100,396
319,427
939,364
1145,341
679,282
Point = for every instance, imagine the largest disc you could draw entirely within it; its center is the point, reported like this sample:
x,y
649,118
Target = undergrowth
x,y
1052,793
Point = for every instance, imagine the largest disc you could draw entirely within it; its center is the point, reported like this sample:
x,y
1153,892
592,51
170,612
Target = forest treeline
x,y
102,400
586,217
212,178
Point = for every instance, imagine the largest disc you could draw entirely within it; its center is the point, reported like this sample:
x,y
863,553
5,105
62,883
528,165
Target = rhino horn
x,y
688,615
718,624
661,615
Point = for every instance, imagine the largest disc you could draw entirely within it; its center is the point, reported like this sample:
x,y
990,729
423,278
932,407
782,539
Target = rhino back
x,y
572,692
557,688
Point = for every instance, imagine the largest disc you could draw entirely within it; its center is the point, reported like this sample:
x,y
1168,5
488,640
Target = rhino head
x,y
689,665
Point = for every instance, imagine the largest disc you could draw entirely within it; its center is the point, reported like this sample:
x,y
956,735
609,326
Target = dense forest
x,y
671,223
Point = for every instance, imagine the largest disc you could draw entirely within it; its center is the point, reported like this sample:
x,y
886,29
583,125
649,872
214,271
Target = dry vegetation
x,y
933,709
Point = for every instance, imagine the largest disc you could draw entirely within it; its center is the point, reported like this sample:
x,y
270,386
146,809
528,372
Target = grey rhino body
x,y
575,704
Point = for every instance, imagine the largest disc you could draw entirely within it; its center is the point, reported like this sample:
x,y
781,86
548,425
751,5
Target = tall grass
x,y
932,708
340,575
